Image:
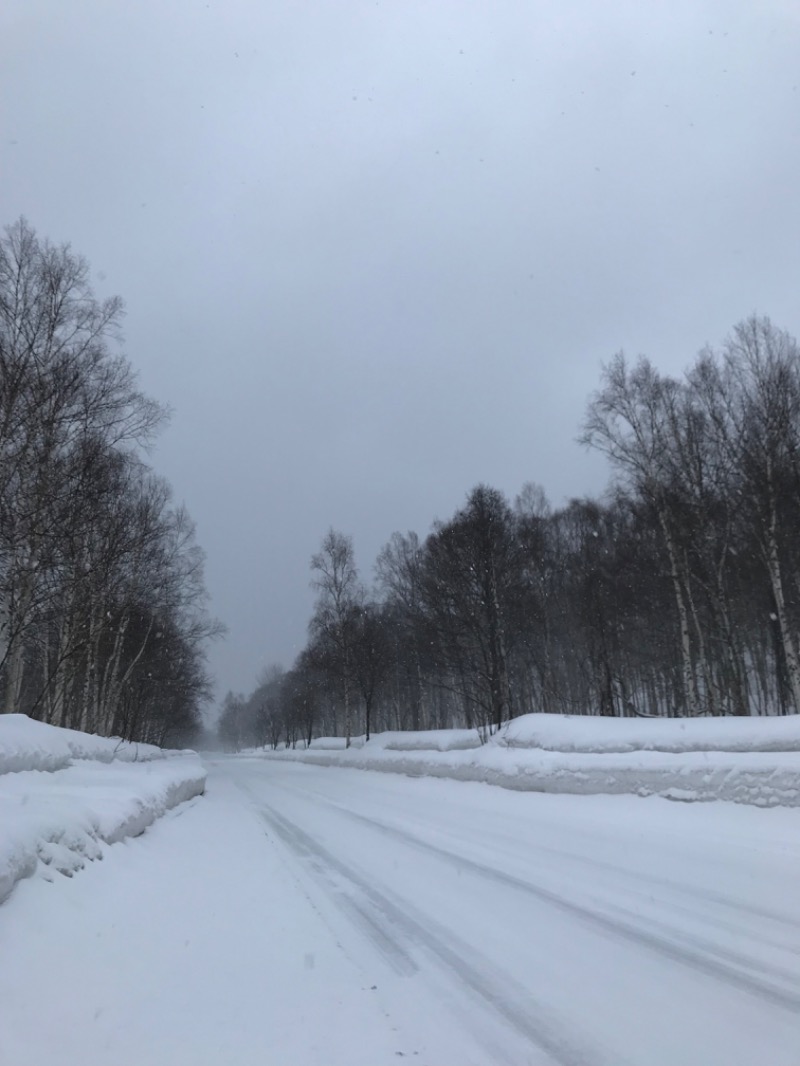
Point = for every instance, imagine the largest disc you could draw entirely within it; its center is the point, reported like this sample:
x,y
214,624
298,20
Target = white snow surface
x,y
348,919
56,814
753,761
299,916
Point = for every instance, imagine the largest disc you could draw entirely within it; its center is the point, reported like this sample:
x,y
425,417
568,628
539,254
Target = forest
x,y
677,593
103,619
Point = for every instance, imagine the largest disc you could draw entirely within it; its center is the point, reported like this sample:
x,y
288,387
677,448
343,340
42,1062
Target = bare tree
x,y
472,577
399,577
630,420
752,398
340,599
677,592
371,657
102,600
60,386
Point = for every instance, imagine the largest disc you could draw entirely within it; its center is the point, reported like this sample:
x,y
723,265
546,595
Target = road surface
x,y
302,915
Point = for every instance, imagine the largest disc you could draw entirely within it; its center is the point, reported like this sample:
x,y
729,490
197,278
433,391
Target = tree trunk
x,y
687,668
776,580
348,725
15,664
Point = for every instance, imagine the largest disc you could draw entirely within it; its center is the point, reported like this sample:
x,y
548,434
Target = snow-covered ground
x,y
299,915
753,760
64,795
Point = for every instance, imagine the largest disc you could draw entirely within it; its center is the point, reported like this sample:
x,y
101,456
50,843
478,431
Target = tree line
x,y
103,623
675,594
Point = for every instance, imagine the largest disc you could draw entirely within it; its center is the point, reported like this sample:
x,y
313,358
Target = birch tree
x,y
629,420
61,384
751,392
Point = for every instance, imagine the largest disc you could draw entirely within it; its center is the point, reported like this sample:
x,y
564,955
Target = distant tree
x,y
631,420
471,582
371,658
751,395
675,593
338,606
399,576
303,694
231,726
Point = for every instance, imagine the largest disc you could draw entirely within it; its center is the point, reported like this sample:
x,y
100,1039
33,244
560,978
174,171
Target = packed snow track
x,y
309,915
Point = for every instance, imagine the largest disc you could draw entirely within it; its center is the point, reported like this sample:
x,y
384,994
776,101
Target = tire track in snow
x,y
779,923
704,956
383,917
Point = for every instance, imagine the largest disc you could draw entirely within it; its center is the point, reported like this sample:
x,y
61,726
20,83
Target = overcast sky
x,y
375,253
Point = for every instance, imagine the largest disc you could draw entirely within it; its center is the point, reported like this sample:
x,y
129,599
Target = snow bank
x,y
333,743
26,744
422,740
766,774
56,813
574,733
57,821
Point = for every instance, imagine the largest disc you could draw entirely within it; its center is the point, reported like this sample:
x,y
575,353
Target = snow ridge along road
x,y
744,760
315,917
64,795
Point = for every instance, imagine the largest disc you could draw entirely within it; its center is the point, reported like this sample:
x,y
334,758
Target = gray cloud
x,y
375,253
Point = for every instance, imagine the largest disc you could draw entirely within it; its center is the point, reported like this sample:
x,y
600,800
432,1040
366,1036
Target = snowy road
x,y
303,915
